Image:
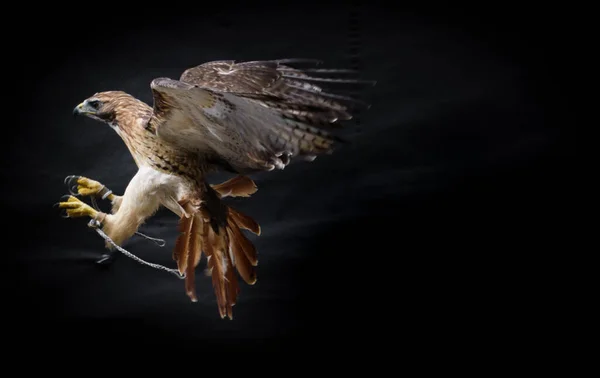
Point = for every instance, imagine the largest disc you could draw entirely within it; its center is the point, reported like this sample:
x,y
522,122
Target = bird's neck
x,y
137,139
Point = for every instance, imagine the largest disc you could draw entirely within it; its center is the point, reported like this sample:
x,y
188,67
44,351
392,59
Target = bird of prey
x,y
238,117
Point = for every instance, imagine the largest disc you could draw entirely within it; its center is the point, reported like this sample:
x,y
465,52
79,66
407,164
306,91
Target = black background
x,y
425,229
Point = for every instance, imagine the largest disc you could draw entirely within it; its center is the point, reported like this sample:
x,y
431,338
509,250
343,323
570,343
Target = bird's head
x,y
108,106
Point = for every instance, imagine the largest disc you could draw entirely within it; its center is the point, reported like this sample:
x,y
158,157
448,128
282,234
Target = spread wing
x,y
251,114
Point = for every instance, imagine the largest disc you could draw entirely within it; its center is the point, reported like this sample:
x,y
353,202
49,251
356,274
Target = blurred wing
x,y
265,109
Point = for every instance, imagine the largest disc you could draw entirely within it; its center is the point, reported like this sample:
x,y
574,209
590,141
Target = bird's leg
x,y
75,209
83,186
139,202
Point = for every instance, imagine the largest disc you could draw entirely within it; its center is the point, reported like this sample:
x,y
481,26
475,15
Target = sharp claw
x,y
95,204
73,191
70,178
106,259
65,197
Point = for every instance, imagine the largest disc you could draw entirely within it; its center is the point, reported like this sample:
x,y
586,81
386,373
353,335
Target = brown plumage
x,y
237,117
229,246
239,186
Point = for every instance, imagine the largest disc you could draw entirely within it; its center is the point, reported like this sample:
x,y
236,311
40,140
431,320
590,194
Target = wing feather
x,y
254,115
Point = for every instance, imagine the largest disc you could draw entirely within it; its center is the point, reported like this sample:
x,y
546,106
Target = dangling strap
x,y
95,224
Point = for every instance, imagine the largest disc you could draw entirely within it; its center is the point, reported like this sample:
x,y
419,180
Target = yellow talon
x,y
89,187
76,208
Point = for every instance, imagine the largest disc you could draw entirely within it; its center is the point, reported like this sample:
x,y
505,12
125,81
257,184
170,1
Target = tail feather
x,y
233,290
215,266
182,243
244,221
188,248
244,266
226,248
227,251
243,244
194,254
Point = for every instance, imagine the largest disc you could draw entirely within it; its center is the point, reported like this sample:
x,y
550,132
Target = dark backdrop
x,y
421,230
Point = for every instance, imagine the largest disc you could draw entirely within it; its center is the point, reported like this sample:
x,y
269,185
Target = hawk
x,y
238,117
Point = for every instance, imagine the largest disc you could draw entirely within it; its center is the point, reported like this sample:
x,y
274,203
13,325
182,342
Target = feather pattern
x,y
250,114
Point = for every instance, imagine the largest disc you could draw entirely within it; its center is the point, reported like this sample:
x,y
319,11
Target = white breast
x,y
165,185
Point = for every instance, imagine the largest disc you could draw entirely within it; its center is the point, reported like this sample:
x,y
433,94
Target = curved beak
x,y
78,110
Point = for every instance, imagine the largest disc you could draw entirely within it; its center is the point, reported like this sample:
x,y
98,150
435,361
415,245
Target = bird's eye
x,y
93,104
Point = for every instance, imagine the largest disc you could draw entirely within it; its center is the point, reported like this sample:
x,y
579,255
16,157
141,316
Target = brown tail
x,y
188,248
226,248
